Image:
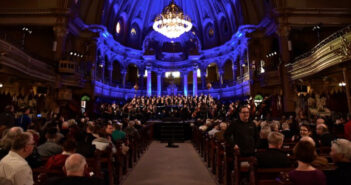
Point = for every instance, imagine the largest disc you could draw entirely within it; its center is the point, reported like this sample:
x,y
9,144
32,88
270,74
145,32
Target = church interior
x,y
252,92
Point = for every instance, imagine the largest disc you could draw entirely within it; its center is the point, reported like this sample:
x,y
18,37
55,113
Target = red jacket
x,y
56,162
347,130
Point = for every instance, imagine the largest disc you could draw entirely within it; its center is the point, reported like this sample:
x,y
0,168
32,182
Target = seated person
x,y
76,171
319,161
130,130
264,132
50,147
323,137
102,142
220,135
305,173
341,156
273,157
57,161
214,130
118,134
305,130
84,148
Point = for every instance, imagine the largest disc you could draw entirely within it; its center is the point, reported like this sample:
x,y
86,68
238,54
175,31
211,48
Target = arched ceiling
x,y
214,21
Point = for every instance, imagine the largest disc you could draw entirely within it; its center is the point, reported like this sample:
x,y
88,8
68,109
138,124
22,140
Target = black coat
x,y
245,135
73,180
340,176
272,158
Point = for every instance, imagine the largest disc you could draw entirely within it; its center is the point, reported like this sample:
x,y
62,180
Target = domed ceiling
x,y
130,21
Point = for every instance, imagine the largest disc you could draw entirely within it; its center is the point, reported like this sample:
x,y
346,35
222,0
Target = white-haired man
x,y
13,166
76,171
341,156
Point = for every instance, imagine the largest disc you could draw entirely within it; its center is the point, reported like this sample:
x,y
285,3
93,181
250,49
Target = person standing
x,y
242,133
13,166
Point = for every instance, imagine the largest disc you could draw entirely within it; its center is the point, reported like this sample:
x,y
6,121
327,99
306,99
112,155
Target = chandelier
x,y
172,22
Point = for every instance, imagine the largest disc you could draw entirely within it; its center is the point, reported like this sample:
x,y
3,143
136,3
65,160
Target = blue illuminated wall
x,y
229,42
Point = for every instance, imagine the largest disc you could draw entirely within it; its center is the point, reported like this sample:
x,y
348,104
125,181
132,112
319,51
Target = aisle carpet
x,y
170,166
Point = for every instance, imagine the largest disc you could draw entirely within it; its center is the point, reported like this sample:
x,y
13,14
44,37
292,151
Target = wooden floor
x,y
160,165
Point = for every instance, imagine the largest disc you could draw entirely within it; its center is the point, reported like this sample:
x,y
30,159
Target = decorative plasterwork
x,y
331,51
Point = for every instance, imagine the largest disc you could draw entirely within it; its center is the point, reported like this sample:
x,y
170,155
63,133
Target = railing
x,y
18,43
335,35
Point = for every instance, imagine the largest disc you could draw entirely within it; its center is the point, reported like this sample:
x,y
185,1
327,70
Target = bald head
x,y
75,165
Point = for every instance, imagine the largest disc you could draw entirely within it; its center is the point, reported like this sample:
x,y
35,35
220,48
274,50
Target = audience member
x,y
347,128
24,120
319,161
76,171
323,137
341,156
50,147
57,161
273,157
13,166
305,173
118,134
264,132
7,139
219,136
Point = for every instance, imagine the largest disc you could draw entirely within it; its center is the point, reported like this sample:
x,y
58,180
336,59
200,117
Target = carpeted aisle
x,y
170,166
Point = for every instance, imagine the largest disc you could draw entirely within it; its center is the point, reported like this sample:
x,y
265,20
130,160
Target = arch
x,y
228,71
116,73
131,76
212,74
135,40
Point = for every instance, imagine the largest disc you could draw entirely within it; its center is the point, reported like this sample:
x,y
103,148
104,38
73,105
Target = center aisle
x,y
162,166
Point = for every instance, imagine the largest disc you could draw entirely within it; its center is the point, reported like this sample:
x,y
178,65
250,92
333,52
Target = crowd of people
x,y
264,140
56,141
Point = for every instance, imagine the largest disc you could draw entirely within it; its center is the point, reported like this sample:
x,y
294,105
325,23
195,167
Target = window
x,y
118,28
175,74
133,32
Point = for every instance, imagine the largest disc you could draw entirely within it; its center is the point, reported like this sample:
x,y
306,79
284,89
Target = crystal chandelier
x,y
172,22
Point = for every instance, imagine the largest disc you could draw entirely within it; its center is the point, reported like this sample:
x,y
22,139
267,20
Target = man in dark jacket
x,y
76,171
273,157
242,133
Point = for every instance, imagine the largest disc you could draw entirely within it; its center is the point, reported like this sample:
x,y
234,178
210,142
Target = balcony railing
x,y
332,37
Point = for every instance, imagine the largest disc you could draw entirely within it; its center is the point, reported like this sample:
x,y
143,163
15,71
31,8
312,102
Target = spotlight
x,y
71,53
1,85
101,65
342,84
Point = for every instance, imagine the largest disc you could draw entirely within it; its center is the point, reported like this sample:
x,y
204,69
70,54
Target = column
x,y
203,78
221,72
185,82
60,32
234,72
102,68
195,67
283,32
346,80
124,76
141,78
159,87
110,70
241,68
148,85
